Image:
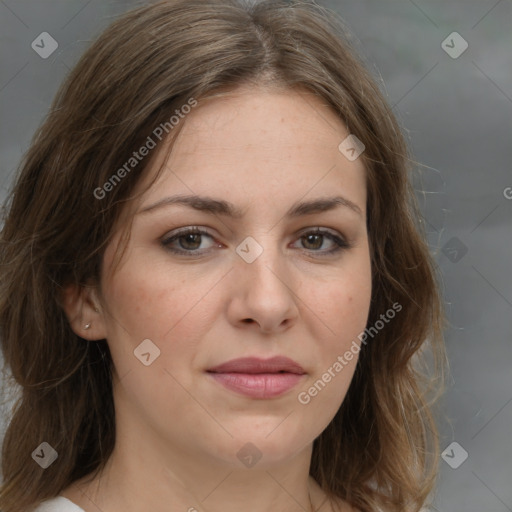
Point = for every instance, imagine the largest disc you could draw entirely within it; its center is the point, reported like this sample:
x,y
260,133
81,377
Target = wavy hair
x,y
380,451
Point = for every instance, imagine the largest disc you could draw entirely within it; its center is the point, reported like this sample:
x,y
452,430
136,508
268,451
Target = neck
x,y
141,476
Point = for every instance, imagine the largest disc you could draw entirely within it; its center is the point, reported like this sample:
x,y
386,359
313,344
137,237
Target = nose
x,y
264,293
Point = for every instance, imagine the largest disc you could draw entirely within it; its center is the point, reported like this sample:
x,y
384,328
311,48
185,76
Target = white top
x,y
62,504
59,504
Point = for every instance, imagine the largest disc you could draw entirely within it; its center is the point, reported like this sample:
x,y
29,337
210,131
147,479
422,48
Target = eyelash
x,y
340,243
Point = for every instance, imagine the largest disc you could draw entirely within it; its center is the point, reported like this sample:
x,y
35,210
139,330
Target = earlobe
x,y
81,306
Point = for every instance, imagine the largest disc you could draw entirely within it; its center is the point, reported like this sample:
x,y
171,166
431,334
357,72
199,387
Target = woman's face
x,y
257,285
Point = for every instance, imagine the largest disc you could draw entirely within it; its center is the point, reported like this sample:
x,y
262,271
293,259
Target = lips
x,y
254,365
258,378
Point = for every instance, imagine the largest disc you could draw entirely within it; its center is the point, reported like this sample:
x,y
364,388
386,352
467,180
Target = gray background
x,y
457,113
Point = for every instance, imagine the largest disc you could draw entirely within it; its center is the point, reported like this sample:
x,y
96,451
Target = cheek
x,y
345,303
150,302
339,310
340,314
173,310
342,303
343,318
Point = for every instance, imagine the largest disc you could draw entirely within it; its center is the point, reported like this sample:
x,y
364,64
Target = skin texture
x,y
178,431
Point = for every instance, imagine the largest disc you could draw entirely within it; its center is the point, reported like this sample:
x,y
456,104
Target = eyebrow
x,y
221,207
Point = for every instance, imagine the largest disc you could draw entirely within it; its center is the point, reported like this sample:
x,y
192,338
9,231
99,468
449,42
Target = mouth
x,y
258,378
254,365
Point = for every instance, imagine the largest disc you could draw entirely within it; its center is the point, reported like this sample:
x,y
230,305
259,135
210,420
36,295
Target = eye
x,y
188,240
314,240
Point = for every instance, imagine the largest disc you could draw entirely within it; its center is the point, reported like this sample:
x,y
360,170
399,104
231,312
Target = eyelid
x,y
177,233
338,239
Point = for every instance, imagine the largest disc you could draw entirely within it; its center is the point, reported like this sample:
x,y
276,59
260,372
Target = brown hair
x,y
381,448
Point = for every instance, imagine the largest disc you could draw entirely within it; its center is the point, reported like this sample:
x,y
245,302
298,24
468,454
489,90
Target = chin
x,y
262,449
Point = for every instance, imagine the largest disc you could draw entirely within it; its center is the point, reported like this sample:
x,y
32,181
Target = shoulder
x,y
59,504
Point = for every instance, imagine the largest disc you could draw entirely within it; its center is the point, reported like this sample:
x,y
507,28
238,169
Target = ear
x,y
82,307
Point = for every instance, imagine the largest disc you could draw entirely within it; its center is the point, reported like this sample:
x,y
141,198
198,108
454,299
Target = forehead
x,y
260,145
279,123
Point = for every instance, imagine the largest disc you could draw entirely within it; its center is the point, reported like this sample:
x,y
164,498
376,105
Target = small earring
x,y
87,326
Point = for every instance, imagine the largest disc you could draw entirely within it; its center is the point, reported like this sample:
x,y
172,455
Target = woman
x,y
215,290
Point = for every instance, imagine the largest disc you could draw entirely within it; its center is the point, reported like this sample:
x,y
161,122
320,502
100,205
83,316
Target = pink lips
x,y
258,378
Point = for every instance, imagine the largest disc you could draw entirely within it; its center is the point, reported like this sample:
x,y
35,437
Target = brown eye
x,y
315,240
191,241
187,241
